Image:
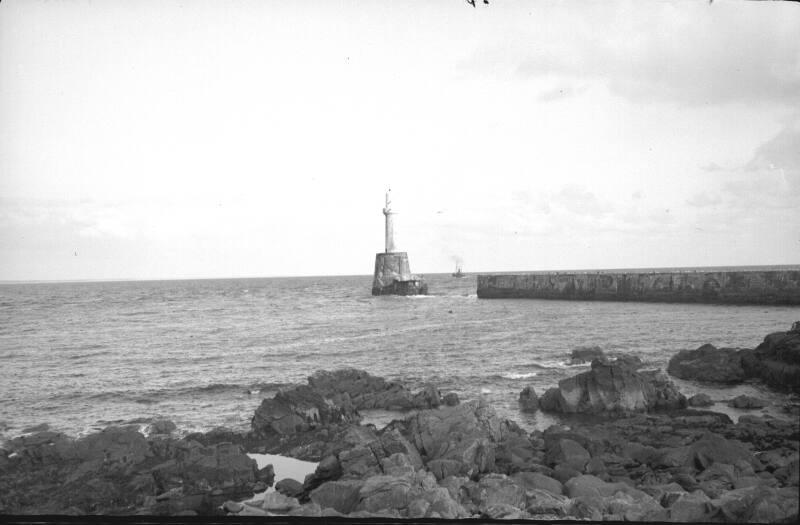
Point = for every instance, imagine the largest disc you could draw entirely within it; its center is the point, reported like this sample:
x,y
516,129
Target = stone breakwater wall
x,y
728,287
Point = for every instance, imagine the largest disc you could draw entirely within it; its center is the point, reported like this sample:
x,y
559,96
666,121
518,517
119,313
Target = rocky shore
x,y
629,448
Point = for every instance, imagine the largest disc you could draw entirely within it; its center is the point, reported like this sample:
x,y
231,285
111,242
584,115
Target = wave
x,y
155,396
143,312
513,375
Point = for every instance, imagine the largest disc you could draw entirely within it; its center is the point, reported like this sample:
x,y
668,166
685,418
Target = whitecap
x,y
513,375
485,391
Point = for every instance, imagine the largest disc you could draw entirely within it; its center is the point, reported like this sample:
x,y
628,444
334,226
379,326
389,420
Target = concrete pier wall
x,y
727,287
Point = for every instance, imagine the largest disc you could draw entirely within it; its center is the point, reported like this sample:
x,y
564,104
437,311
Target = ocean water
x,y
203,353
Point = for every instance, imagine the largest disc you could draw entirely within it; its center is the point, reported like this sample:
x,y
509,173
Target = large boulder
x,y
612,386
776,361
467,433
708,363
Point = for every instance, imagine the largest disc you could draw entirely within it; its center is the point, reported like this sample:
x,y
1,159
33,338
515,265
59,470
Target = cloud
x,y
692,54
781,153
703,199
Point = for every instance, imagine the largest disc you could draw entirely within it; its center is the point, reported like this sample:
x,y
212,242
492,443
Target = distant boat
x,y
458,273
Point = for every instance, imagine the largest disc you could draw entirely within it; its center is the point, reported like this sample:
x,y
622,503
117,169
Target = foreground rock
x,y
448,462
613,386
119,471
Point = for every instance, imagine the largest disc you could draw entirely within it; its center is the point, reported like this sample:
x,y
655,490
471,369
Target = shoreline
x,y
626,443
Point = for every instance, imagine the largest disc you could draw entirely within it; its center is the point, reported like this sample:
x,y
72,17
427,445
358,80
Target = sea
x,y
76,357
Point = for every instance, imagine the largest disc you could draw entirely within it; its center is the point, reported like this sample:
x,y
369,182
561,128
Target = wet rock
x,y
585,354
300,409
700,400
365,391
450,399
289,487
528,400
612,387
747,402
162,426
708,363
776,361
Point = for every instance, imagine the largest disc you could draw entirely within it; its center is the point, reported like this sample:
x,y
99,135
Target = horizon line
x,y
795,266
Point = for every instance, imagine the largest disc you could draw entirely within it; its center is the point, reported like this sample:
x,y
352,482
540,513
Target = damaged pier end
x,y
392,272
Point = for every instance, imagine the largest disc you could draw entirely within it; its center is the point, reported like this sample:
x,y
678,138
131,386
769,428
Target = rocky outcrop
x,y
119,471
362,390
776,361
585,354
528,400
613,386
447,462
304,421
708,363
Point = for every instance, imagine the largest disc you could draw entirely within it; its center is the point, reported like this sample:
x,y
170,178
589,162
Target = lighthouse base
x,y
393,276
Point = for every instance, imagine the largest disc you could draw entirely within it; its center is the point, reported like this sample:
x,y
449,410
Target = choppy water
x,y
80,356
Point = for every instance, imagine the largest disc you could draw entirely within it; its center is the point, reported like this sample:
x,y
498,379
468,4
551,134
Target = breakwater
x,y
727,287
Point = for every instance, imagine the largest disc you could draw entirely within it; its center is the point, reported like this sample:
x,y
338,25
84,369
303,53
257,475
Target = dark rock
x,y
162,426
700,400
550,400
567,451
365,391
708,363
585,354
450,399
776,361
299,409
528,400
290,487
467,433
744,401
564,473
612,387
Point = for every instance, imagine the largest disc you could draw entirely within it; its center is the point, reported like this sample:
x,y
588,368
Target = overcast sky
x,y
226,139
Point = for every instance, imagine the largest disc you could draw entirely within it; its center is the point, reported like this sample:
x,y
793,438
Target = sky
x,y
165,139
